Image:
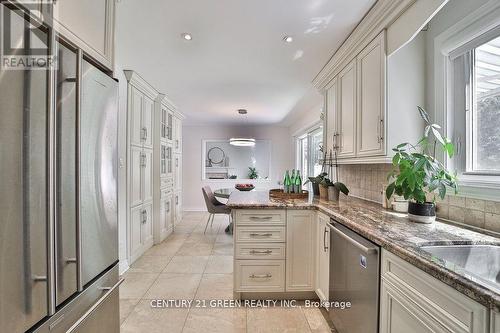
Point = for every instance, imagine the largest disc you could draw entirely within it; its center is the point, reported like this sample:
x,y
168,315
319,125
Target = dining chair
x,y
214,206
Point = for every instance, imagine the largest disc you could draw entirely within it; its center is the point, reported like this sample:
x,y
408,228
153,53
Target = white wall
x,y
450,14
192,136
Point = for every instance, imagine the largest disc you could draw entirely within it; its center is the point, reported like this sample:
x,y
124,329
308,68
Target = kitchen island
x,y
286,233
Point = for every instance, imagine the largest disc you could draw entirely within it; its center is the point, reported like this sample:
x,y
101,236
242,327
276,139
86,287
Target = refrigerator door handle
x,y
89,312
353,241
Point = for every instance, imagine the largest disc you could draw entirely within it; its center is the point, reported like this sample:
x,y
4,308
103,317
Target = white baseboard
x,y
195,209
123,266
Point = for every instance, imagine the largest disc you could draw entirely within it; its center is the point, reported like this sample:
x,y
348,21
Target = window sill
x,y
484,187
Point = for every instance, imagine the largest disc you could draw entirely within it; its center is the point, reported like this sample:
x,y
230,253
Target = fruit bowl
x,y
244,187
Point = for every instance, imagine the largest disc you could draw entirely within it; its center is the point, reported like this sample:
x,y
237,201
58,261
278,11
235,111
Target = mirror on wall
x,y
221,160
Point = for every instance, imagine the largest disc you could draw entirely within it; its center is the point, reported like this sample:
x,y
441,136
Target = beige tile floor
x,y
190,265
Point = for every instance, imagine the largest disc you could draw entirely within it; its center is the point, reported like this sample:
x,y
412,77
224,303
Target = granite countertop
x,y
393,232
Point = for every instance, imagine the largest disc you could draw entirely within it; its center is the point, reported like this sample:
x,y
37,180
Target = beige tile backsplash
x,y
367,181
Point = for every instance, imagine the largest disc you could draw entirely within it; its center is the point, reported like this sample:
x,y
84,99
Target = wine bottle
x,y
286,182
298,183
292,182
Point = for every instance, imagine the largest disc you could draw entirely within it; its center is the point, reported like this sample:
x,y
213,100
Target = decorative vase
x,y
422,212
333,193
315,187
323,192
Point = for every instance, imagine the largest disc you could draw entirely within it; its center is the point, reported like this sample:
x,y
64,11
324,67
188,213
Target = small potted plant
x,y
334,189
253,173
317,180
417,172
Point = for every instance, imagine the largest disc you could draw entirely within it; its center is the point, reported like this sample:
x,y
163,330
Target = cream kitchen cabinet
x,y
141,178
346,112
177,207
331,104
371,75
177,172
147,122
300,250
177,139
147,175
166,215
141,230
370,104
412,301
322,256
89,24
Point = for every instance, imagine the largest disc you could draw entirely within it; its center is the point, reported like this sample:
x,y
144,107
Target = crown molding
x,y
380,16
134,79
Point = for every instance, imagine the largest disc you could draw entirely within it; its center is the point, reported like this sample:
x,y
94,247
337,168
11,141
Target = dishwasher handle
x,y
351,240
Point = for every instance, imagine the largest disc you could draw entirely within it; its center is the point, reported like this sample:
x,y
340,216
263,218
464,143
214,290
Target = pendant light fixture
x,y
242,142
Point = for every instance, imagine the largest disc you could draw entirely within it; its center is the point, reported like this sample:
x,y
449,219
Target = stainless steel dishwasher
x,y
354,278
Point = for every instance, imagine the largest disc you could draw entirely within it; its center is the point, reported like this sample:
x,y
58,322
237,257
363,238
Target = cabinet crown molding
x,y
137,81
380,16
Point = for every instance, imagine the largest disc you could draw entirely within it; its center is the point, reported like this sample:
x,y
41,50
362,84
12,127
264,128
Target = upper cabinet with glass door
x,y
89,24
166,120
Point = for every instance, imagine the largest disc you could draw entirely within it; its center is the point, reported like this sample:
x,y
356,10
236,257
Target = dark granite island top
x,y
393,232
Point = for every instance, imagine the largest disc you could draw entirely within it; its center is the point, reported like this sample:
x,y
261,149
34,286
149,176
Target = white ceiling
x,y
237,58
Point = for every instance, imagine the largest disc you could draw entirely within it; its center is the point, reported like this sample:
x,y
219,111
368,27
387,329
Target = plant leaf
x,y
438,136
389,190
424,115
342,188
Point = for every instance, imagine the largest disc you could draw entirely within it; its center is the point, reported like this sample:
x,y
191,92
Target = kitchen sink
x,y
481,263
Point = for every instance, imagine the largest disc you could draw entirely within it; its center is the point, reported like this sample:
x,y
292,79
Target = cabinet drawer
x,y
260,234
260,217
260,275
260,251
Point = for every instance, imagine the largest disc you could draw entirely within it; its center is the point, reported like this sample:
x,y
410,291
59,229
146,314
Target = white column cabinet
x,y
322,256
147,122
147,177
135,169
136,132
346,113
300,250
371,71
141,179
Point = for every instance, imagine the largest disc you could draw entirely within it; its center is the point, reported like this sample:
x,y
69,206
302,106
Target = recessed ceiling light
x,y
288,39
187,36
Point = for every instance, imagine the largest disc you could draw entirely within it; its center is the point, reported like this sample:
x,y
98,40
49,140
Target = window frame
x,y
454,41
306,135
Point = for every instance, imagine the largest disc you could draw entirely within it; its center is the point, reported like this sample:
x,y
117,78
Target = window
x,y
484,125
307,153
476,106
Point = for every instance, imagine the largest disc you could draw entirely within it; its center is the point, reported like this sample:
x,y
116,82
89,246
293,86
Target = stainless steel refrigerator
x,y
58,191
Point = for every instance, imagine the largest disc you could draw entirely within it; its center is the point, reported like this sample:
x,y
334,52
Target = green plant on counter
x,y
338,185
417,171
252,173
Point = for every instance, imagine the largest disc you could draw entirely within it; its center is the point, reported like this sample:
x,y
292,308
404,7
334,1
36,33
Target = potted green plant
x,y
417,172
334,189
317,180
252,173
